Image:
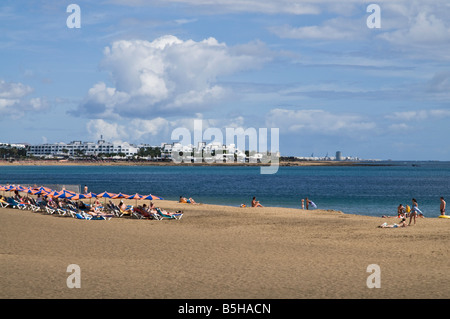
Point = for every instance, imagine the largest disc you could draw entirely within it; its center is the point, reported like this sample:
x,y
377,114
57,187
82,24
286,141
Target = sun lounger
x,y
141,213
15,204
83,215
167,215
3,203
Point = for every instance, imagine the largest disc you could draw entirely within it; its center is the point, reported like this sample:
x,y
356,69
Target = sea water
x,y
374,190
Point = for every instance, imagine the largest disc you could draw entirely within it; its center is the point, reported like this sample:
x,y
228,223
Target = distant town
x,y
123,151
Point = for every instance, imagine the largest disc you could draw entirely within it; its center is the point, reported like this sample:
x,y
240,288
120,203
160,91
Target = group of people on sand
x,y
405,212
309,203
411,212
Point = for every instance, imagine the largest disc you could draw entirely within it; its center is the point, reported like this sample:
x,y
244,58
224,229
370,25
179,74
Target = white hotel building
x,y
77,148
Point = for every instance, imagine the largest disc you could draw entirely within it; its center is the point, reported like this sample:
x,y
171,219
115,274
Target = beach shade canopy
x,y
30,190
90,195
40,192
20,188
11,188
135,196
52,194
152,197
78,196
45,189
65,194
120,195
106,195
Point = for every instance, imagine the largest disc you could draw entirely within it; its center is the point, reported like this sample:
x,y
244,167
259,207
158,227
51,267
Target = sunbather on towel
x,y
401,224
185,200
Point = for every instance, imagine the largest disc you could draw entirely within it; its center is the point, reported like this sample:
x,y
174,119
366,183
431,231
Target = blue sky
x,y
136,70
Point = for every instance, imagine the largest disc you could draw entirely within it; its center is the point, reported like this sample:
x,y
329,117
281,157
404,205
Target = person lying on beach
x,y
164,213
401,224
256,203
52,203
188,201
149,211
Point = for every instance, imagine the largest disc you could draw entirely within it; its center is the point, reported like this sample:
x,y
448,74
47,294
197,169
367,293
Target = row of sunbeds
x,y
73,209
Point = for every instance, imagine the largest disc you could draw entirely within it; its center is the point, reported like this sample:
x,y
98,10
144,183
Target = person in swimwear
x,y
401,211
443,204
415,211
402,224
188,201
255,203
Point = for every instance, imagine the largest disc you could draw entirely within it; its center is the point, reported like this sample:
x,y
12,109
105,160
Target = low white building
x,y
78,148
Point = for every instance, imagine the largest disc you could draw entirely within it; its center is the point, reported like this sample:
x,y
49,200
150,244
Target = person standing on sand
x,y
303,203
414,211
443,204
85,189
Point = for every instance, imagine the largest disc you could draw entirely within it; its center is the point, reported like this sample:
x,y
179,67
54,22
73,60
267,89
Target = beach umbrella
x,y
106,195
78,196
65,194
29,190
135,196
20,188
53,194
46,189
120,195
90,195
40,192
152,197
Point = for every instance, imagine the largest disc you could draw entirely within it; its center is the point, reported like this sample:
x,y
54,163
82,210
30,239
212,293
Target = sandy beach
x,y
218,252
167,163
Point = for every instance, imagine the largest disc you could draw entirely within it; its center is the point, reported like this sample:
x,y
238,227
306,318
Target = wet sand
x,y
218,252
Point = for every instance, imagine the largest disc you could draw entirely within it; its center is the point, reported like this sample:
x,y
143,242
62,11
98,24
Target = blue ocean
x,y
374,190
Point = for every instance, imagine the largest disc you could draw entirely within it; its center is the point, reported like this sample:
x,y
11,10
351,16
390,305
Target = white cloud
x,y
317,121
333,29
130,131
11,90
418,115
424,28
294,7
14,100
159,129
167,76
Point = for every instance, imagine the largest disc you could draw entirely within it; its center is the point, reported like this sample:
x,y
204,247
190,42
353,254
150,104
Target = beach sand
x,y
218,252
28,162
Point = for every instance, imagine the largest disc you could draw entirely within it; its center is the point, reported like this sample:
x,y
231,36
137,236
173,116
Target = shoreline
x,y
220,252
161,163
